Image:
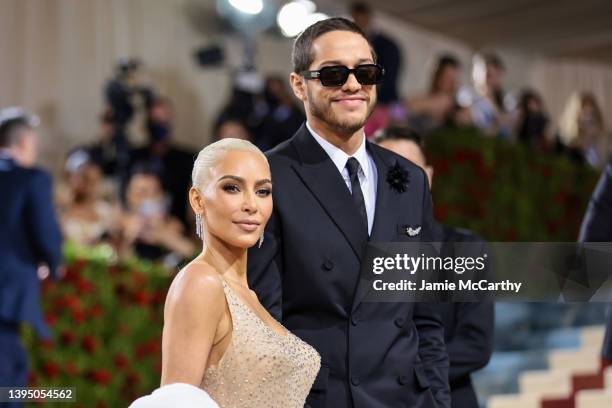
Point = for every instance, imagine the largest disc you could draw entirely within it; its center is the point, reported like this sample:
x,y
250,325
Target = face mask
x,y
151,208
159,131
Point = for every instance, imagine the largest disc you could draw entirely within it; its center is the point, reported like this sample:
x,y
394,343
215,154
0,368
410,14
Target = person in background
x,y
283,116
145,227
597,227
489,109
582,131
388,55
171,163
30,236
231,128
104,151
437,108
468,327
86,219
533,124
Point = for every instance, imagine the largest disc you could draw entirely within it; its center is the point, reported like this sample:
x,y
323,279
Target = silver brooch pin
x,y
413,232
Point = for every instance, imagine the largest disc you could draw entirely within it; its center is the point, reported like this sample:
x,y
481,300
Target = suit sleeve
x,y
597,223
265,268
432,349
471,345
44,228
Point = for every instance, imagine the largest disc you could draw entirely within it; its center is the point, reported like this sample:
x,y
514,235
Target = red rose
x,y
72,302
142,298
32,379
133,378
51,369
70,368
138,278
100,376
67,337
47,344
78,316
84,285
96,311
51,319
121,361
89,344
148,348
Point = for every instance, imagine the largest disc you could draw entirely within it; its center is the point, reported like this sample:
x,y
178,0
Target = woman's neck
x,y
231,262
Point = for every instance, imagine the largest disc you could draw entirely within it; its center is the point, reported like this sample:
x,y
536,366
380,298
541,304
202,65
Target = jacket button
x,y
355,381
399,322
402,379
328,265
354,320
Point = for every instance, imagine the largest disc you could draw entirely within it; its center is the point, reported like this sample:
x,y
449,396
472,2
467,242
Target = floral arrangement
x,y
106,318
505,191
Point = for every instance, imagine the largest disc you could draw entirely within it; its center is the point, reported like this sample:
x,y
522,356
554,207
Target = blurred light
x,y
315,17
295,17
247,6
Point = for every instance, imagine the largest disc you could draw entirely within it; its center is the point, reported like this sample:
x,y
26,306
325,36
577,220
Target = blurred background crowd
x,y
128,93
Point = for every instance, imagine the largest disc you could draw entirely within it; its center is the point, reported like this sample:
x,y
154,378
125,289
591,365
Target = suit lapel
x,y
389,207
322,178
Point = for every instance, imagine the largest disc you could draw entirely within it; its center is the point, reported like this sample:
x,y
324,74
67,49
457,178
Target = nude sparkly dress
x,y
260,367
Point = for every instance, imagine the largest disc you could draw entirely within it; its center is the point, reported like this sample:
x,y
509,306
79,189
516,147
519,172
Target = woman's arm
x,y
194,307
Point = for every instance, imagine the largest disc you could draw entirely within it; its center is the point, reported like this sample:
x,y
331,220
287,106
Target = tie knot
x,y
352,166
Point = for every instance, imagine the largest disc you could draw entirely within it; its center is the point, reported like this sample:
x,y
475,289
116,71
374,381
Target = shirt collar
x,y
339,157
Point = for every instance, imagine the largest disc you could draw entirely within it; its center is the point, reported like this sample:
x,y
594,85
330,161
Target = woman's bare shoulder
x,y
197,284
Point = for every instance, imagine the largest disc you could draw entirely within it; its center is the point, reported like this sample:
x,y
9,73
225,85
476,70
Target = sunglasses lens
x,y
368,74
333,76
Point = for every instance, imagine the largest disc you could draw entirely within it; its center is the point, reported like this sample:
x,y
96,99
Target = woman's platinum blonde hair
x,y
213,153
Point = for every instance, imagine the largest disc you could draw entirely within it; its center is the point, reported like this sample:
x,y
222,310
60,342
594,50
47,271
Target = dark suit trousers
x,y
13,360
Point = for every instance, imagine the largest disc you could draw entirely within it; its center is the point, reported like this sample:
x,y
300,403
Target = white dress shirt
x,y
367,174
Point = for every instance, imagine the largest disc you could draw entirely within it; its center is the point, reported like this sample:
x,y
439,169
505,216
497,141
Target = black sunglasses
x,y
337,75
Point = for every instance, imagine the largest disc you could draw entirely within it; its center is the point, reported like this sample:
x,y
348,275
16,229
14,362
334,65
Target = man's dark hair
x,y
11,128
302,47
400,133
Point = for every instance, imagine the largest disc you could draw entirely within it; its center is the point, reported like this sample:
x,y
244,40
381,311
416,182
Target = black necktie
x,y
352,166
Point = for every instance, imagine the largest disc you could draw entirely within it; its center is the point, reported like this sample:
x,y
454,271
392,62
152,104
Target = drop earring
x,y
199,225
260,241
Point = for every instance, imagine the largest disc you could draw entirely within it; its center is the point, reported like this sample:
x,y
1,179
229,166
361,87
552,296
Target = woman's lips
x,y
247,226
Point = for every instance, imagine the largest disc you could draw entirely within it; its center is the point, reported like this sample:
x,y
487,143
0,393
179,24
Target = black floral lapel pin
x,y
398,178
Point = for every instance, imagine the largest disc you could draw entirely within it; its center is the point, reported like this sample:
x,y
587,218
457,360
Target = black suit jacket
x,y
307,270
597,227
29,235
468,326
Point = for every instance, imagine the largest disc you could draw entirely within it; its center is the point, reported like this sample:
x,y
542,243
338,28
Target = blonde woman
x,y
217,335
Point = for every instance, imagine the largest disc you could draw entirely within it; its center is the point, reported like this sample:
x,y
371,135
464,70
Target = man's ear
x,y
298,84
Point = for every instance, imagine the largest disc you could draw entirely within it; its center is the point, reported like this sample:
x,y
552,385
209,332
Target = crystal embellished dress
x,y
260,367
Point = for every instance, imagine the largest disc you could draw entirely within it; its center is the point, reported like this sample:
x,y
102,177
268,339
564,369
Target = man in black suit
x,y
29,236
597,227
468,326
333,192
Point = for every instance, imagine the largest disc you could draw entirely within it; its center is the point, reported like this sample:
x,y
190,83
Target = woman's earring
x,y
260,240
199,225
